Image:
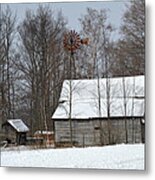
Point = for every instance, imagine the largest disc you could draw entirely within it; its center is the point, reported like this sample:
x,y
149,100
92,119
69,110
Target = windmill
x,y
72,42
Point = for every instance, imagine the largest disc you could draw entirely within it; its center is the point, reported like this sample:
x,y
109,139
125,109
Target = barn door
x,y
97,135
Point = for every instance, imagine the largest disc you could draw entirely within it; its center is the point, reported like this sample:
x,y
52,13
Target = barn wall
x,y
83,132
95,132
118,132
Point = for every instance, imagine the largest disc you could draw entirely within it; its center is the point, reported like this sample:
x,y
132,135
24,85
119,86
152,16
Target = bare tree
x,y
130,50
41,62
96,28
7,29
96,57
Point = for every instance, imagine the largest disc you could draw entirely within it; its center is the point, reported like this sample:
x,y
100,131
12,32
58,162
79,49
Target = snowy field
x,y
108,157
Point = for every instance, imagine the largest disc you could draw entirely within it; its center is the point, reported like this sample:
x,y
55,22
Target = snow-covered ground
x,y
108,157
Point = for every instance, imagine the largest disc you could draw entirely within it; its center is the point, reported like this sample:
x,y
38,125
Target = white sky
x,y
72,11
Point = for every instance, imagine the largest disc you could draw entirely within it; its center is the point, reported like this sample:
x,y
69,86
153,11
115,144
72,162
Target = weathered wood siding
x,y
9,133
95,132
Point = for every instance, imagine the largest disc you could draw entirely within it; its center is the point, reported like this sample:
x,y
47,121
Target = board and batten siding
x,y
92,132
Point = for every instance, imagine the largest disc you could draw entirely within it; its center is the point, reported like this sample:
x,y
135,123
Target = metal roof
x,y
85,95
18,125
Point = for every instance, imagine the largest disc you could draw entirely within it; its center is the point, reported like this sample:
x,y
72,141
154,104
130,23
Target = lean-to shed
x,y
15,130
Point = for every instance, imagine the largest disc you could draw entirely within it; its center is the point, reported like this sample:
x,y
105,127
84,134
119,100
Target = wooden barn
x,y
15,131
100,112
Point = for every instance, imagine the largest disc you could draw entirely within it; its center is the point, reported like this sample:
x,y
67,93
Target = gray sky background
x,y
72,11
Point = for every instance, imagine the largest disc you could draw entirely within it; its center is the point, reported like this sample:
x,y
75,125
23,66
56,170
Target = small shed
x,y
15,130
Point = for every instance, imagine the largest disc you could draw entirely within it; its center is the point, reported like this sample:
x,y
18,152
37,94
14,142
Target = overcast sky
x,y
72,11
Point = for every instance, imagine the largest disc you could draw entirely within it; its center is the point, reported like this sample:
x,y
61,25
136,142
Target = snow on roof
x,y
18,125
85,98
43,132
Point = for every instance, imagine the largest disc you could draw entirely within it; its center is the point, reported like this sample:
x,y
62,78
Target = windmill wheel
x,y
72,41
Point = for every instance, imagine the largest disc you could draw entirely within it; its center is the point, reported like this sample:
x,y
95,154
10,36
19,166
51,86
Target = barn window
x,y
96,127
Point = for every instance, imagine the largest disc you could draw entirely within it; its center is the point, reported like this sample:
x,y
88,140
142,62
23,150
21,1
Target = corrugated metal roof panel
x,y
18,125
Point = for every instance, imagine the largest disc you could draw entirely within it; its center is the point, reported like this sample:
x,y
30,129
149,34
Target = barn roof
x,y
85,95
18,125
